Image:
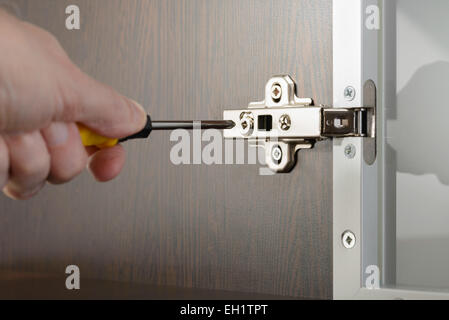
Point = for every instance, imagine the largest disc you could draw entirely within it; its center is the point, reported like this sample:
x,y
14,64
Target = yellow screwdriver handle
x,y
92,139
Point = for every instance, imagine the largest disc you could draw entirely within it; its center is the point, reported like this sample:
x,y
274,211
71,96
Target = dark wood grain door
x,y
221,227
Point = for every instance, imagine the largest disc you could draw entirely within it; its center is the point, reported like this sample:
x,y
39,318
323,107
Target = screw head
x,y
350,151
276,92
276,154
348,239
349,93
285,122
246,123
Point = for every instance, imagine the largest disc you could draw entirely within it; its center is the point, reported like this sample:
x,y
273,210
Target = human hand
x,y
43,95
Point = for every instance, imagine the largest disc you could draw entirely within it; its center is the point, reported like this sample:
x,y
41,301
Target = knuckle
x,y
64,173
60,176
45,37
52,40
69,103
38,166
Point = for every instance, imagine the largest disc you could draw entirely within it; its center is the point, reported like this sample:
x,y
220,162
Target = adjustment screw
x,y
349,93
348,239
285,122
246,123
276,154
350,151
276,92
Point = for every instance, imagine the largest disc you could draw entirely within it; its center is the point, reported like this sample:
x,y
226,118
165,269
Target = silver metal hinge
x,y
284,123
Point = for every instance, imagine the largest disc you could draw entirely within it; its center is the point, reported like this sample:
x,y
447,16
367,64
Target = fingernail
x,y
57,134
33,192
142,114
10,191
138,105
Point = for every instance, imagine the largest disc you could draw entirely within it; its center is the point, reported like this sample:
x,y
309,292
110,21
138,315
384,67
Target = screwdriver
x,y
90,138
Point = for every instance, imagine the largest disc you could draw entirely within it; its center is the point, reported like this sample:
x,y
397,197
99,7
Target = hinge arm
x,y
348,122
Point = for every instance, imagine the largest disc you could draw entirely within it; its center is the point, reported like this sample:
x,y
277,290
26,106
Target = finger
x,y
106,164
91,150
99,107
29,164
67,153
4,163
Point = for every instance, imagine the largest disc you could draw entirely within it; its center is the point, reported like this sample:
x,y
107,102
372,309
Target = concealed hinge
x,y
284,123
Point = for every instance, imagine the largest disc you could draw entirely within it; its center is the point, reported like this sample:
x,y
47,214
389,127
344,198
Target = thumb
x,y
102,109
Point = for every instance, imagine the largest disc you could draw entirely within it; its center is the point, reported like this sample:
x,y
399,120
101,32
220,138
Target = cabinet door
x,y
215,228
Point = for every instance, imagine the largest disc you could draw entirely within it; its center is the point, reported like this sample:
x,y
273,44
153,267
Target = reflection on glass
x,y
418,142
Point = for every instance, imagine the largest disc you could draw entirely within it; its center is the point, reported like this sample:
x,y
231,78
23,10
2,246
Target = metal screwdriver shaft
x,y
173,125
190,125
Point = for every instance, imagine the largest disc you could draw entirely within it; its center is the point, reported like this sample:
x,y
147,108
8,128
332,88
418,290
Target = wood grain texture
x,y
206,227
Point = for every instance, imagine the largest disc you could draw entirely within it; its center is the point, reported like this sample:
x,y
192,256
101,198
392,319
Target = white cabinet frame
x,y
362,52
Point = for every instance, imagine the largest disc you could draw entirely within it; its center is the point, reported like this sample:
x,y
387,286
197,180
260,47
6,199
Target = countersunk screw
x,y
276,92
276,154
350,151
348,239
349,93
285,122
